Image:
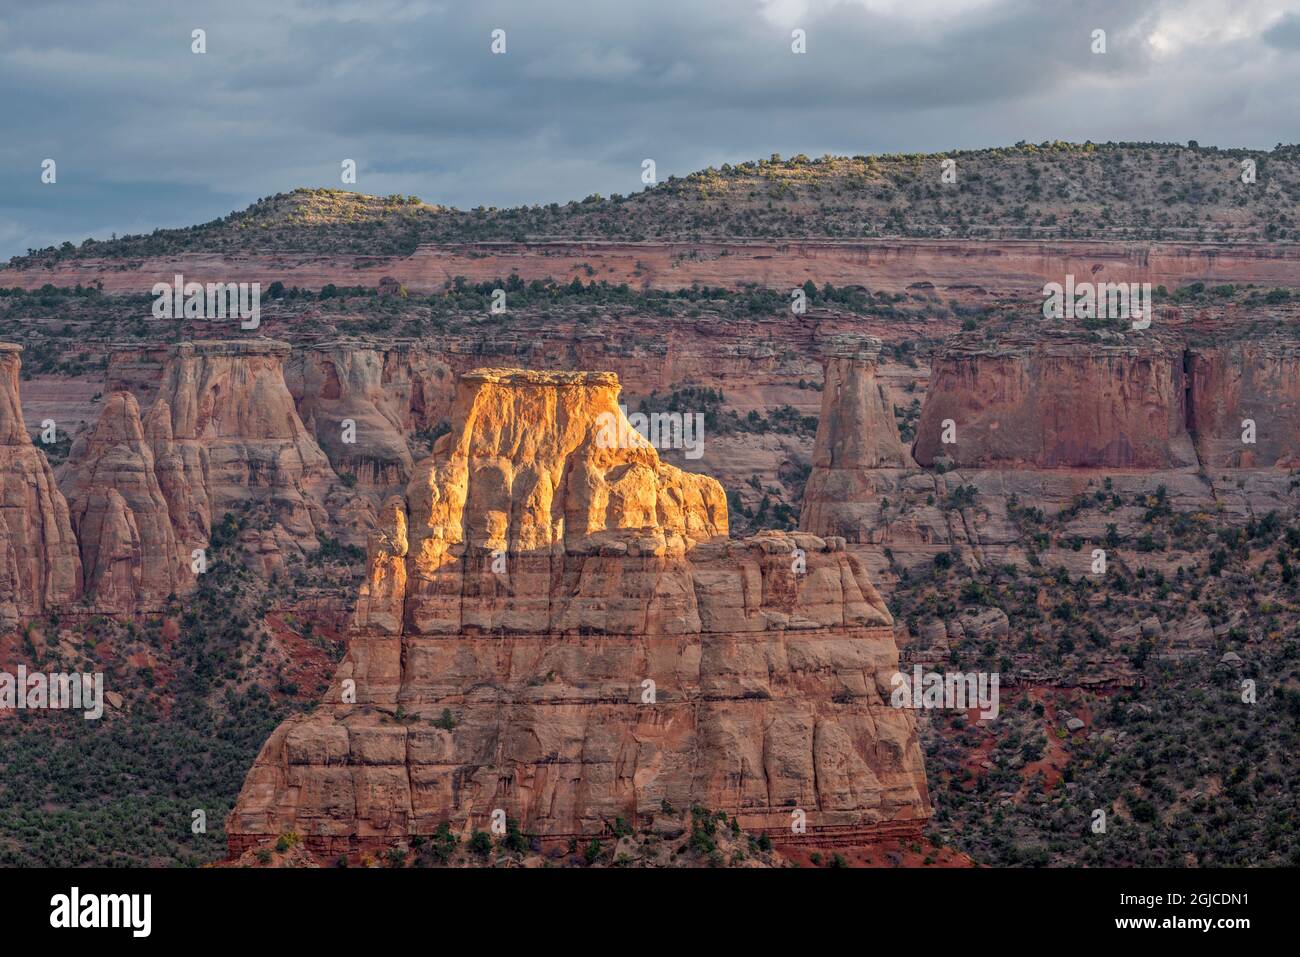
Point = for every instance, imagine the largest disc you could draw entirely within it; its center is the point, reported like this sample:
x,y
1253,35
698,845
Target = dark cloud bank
x,y
147,133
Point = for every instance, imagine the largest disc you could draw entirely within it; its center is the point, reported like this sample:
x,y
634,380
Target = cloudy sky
x,y
146,133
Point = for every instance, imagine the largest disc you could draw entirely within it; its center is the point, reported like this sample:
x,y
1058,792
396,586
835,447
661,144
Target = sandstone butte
x,y
359,401
529,585
40,569
222,431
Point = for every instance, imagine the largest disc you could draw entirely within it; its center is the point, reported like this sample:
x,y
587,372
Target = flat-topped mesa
x,y
130,556
224,431
360,400
554,623
40,569
1245,404
1047,404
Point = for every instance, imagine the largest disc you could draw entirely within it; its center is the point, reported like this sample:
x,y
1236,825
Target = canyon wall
x,y
890,265
1042,424
1046,405
555,623
40,569
1033,420
1155,404
1255,382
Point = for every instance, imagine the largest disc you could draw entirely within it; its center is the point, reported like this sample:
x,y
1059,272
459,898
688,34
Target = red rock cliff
x,y
1257,381
951,265
856,435
224,430
1046,404
385,392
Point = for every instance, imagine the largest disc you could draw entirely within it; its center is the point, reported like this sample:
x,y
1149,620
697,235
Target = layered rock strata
x,y
555,624
1049,405
1045,424
225,425
40,569
1245,404
952,266
136,368
361,401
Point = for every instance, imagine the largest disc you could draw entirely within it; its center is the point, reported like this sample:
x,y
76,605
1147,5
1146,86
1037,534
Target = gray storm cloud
x,y
148,134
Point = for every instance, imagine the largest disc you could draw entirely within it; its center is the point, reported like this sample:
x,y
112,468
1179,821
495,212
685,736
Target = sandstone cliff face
x,y
1053,423
574,604
130,556
1235,382
892,264
857,429
1046,405
224,430
385,392
40,569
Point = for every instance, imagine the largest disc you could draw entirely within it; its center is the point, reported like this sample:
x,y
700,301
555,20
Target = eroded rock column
x,y
40,569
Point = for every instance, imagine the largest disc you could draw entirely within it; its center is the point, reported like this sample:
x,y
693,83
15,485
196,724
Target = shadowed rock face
x,y
1073,405
857,429
130,556
1049,422
222,431
576,607
856,434
225,420
39,565
1256,381
384,392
